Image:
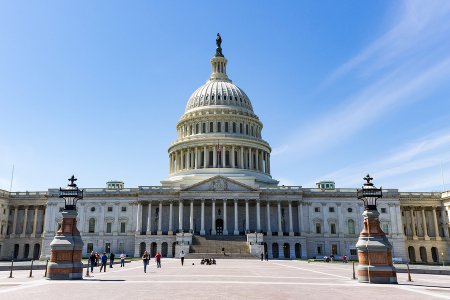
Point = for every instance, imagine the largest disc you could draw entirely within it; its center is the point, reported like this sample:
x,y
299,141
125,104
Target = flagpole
x,y
12,177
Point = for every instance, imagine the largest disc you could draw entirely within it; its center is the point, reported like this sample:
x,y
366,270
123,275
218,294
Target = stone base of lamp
x,y
66,247
374,252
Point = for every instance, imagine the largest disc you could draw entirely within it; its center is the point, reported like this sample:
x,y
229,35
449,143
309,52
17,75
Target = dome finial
x,y
219,43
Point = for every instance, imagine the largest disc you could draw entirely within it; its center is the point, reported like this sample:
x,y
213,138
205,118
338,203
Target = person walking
x,y
158,259
97,259
182,257
92,260
145,260
104,259
262,256
111,259
267,256
122,259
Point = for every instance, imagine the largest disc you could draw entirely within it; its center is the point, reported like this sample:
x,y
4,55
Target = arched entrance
x,y
219,226
164,249
26,251
142,249
298,250
434,254
423,254
36,251
287,250
153,249
412,254
275,253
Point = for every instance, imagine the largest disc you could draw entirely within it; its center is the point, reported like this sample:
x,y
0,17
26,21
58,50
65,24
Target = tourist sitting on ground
x,y
213,261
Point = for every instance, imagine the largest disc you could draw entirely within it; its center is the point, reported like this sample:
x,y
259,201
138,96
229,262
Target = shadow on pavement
x,y
425,285
104,280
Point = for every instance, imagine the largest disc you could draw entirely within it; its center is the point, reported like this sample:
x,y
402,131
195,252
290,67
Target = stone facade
x,y
220,183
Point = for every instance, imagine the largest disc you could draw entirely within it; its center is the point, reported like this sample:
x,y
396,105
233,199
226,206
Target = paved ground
x,y
229,279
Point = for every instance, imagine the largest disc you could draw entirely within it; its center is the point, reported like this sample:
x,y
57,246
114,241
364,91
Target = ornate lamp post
x,y
374,250
66,247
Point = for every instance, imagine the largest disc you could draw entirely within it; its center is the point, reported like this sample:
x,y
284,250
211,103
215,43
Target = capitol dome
x,y
219,134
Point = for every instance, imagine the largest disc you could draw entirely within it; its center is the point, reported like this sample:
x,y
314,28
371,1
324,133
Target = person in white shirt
x,y
182,257
122,259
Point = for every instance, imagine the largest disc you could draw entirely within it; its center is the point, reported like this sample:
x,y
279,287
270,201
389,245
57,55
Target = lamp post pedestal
x,y
374,252
65,260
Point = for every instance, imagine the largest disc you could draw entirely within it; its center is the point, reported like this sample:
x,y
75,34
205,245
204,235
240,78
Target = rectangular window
x,y
108,227
219,127
240,128
124,208
90,248
352,251
333,228
318,229
316,209
334,249
319,249
122,227
234,127
383,210
108,247
226,126
211,127
203,127
331,209
110,208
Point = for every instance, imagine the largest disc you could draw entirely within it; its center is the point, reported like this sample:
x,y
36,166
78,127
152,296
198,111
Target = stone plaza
x,y
228,279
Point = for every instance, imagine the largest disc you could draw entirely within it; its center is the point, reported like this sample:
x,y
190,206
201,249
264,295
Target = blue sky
x,y
95,88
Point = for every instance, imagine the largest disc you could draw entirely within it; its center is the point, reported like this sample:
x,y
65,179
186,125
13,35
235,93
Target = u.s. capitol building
x,y
220,188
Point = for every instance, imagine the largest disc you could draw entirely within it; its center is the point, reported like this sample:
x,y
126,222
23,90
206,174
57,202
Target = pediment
x,y
219,183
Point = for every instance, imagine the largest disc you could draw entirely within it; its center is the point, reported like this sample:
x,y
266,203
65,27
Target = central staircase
x,y
235,246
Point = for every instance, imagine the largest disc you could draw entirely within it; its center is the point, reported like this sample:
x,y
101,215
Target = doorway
x,y
219,226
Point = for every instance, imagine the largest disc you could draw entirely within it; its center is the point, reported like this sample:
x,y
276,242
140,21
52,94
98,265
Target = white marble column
x,y
436,227
300,217
202,218
191,217
258,216
269,230
291,225
149,219
138,218
425,226
280,229
25,221
236,228
213,217
393,218
35,219
159,232
444,222
170,218
247,221
222,156
225,224
398,213
413,223
180,216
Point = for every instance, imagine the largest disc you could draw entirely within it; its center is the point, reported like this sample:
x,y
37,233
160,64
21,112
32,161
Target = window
x,y
240,127
211,127
108,247
226,126
91,225
351,227
196,128
219,127
124,208
109,208
319,249
203,128
318,228
352,251
90,248
122,227
92,208
121,248
386,228
333,228
246,129
108,227
334,249
234,127
331,209
349,209
383,210
316,209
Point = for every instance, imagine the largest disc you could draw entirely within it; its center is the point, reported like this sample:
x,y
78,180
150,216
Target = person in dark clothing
x,y
145,260
267,256
262,256
92,259
158,259
111,259
104,259
182,257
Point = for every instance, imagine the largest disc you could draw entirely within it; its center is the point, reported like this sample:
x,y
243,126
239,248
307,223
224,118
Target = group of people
x,y
95,260
264,256
332,258
146,260
208,261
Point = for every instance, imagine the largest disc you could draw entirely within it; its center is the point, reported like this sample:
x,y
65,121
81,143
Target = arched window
x,y
351,227
219,127
91,225
203,128
211,126
234,127
196,128
226,126
318,228
246,129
